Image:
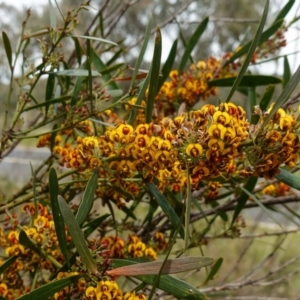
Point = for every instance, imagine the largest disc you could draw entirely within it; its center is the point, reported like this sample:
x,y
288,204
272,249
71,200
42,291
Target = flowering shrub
x,y
153,153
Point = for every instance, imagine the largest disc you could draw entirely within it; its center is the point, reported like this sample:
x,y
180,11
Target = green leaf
x,y
50,288
283,97
254,44
187,214
166,207
282,14
139,99
7,263
48,103
264,37
216,267
34,191
141,54
258,202
94,224
87,199
77,236
166,69
179,289
77,88
289,178
192,43
286,71
52,15
252,104
266,98
57,216
109,69
78,50
101,67
7,47
49,90
27,242
129,212
154,76
98,39
246,81
76,72
241,201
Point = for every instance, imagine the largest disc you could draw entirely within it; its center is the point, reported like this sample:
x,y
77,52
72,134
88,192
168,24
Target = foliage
x,y
166,167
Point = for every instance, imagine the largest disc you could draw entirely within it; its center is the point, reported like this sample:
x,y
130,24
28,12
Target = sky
x,y
292,36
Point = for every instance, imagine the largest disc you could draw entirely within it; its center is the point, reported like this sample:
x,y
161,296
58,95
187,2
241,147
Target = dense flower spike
x,y
202,144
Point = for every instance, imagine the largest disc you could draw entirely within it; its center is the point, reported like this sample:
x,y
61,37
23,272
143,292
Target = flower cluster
x,y
41,232
193,85
275,144
117,247
109,290
198,145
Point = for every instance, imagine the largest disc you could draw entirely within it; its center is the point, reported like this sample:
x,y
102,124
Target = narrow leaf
x,y
154,76
34,191
52,101
258,202
77,236
94,224
95,39
77,88
27,242
179,289
87,199
7,263
192,43
166,69
7,47
139,99
266,98
49,89
142,53
78,50
49,289
57,216
215,268
286,71
289,178
252,104
166,207
187,214
100,66
283,97
246,81
53,136
285,10
171,266
52,15
75,72
241,201
251,51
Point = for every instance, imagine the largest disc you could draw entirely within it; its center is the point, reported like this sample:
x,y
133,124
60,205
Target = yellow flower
x,y
216,145
194,150
90,292
150,252
217,130
221,117
91,142
286,123
40,222
3,289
